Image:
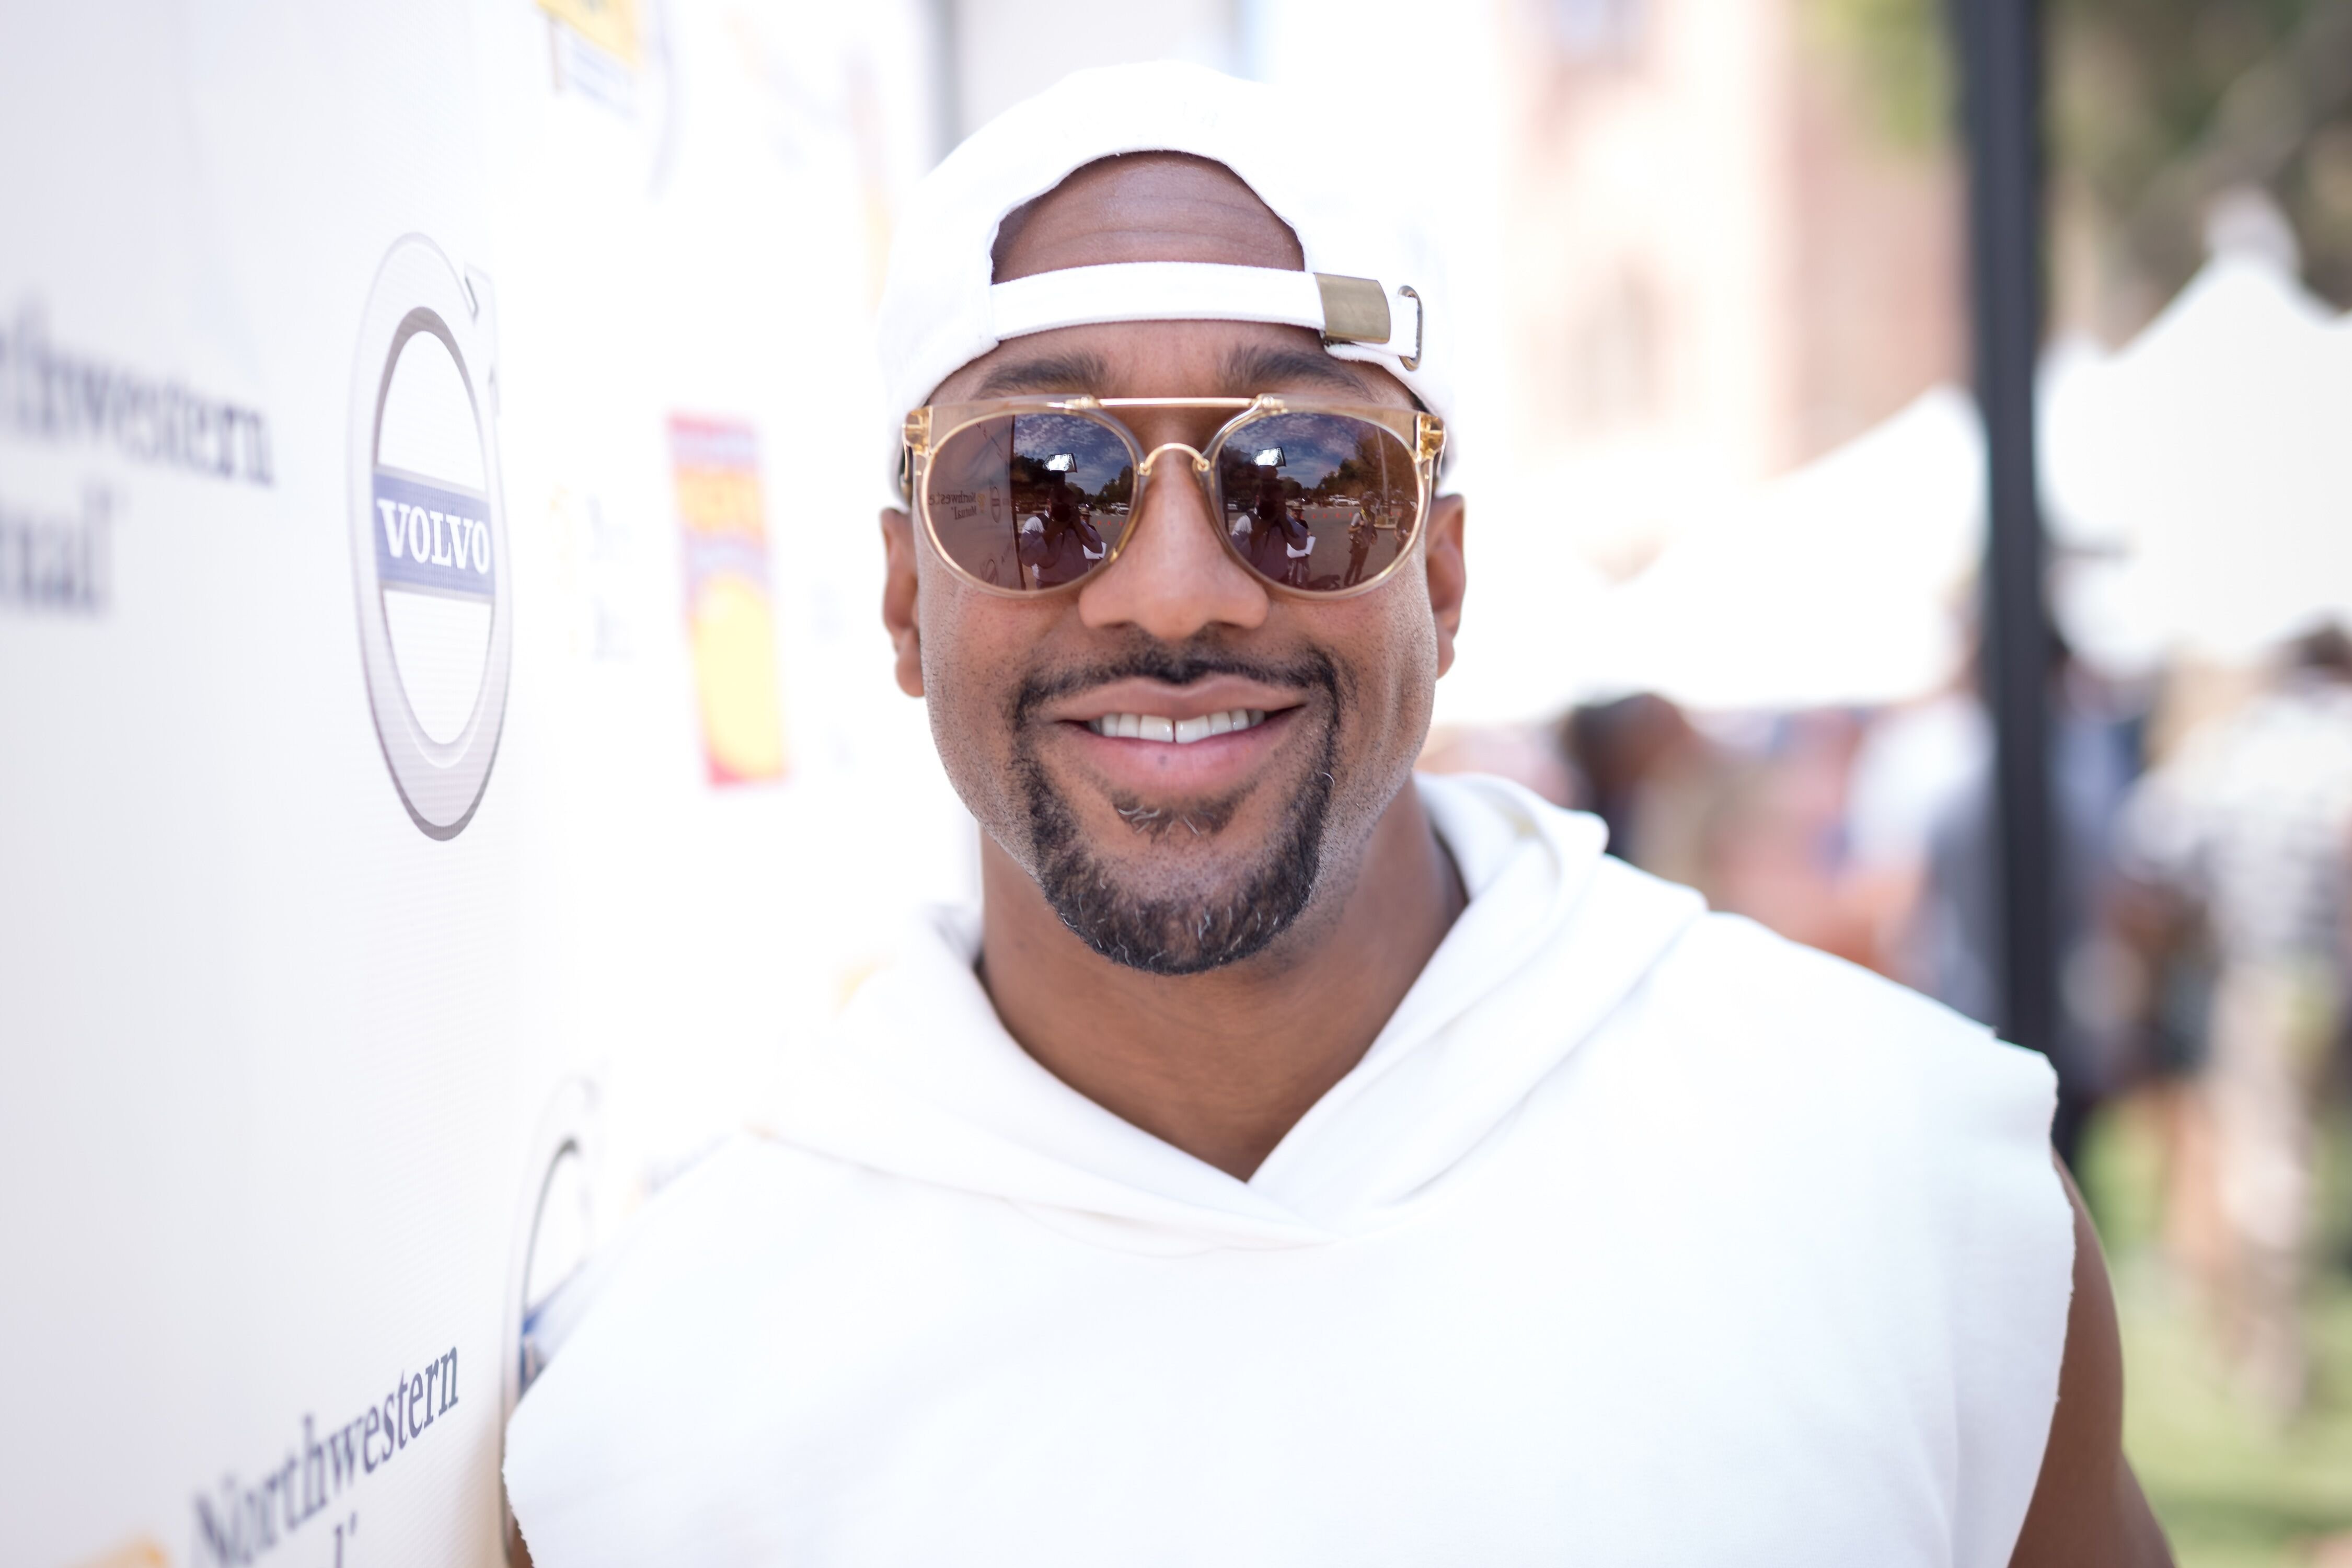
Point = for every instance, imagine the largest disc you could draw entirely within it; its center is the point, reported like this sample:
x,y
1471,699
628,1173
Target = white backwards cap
x,y
1370,284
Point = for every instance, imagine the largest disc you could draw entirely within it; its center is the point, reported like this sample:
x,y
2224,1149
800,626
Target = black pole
x,y
2001,76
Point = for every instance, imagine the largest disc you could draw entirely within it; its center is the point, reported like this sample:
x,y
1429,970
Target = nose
x,y
1174,578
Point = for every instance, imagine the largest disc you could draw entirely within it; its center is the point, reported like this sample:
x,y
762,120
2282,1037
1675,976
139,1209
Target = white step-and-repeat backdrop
x,y
446,739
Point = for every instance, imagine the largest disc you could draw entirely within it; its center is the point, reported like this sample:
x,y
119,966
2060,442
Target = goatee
x,y
1178,934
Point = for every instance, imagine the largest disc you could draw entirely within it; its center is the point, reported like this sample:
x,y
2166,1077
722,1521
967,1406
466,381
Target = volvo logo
x,y
429,533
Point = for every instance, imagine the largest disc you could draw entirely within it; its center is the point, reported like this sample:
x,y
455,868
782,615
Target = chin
x,y
1156,904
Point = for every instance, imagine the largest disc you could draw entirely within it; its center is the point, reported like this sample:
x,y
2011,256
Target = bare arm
x,y
2088,1510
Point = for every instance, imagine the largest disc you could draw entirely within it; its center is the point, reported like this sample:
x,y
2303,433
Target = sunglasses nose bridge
x,y
1200,463
1195,464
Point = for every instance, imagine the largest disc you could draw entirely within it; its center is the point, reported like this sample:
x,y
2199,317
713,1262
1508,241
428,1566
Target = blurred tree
x,y
2156,108
1900,51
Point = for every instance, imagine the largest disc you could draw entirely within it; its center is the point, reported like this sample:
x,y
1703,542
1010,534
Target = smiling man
x,y
1294,1161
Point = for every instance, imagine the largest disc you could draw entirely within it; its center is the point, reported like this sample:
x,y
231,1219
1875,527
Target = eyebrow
x,y
1054,373
1246,371
1262,368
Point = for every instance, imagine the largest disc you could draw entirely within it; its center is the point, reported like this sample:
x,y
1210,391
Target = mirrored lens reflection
x,y
1318,502
1031,501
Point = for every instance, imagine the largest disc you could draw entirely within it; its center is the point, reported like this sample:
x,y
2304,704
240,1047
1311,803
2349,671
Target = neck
x,y
1221,1065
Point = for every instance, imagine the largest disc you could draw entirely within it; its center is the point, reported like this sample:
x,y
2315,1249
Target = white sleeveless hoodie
x,y
1639,1236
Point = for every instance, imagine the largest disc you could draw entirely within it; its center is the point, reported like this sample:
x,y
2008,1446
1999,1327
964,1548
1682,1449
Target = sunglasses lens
x,y
1318,502
1030,501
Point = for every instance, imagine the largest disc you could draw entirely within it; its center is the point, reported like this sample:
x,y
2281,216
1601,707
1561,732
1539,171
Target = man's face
x,y
1173,857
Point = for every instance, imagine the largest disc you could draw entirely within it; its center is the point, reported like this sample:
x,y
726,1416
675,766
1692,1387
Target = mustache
x,y
1175,665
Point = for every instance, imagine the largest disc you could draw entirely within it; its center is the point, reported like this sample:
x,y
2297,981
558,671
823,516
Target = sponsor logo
x,y
428,531
555,1232
714,464
66,397
57,561
434,540
239,1522
614,54
598,50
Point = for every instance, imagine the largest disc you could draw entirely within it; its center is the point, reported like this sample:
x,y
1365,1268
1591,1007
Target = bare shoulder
x,y
2088,1510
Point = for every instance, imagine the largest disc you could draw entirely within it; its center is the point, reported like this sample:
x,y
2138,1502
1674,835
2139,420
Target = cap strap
x,y
1344,309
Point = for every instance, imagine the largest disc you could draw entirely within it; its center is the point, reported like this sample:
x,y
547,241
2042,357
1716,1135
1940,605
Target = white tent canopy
x,y
2209,468
2197,487
1835,583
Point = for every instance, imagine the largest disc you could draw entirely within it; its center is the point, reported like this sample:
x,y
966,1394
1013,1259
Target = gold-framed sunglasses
x,y
1023,496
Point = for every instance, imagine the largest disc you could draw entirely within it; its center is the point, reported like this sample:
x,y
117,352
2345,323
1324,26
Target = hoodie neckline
x,y
1524,871
921,1079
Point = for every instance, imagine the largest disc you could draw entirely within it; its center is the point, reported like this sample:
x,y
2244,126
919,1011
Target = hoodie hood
x,y
921,1081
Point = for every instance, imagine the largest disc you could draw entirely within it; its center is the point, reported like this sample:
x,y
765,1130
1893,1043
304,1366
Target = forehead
x,y
1158,206
1144,206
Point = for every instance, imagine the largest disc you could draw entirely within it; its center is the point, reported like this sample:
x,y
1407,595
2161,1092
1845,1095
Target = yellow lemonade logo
x,y
731,618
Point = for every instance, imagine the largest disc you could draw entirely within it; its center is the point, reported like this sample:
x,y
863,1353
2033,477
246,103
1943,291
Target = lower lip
x,y
1216,761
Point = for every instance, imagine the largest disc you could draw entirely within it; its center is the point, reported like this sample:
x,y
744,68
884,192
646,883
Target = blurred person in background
x,y
1749,811
1774,846
1922,817
1522,753
1363,528
1647,772
2251,826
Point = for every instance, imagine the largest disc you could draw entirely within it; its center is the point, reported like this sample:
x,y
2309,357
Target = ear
x,y
899,599
1445,574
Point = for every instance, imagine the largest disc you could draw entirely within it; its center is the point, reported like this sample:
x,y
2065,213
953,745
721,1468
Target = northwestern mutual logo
x,y
242,1520
428,531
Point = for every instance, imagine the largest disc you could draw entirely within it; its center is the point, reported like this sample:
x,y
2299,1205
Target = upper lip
x,y
1216,694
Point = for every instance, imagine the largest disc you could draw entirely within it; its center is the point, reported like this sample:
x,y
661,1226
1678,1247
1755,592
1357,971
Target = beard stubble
x,y
1181,933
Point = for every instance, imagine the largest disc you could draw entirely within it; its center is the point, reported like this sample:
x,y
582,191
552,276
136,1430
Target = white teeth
x,y
1177,732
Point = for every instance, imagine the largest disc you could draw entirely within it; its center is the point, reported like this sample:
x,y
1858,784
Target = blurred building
x,y
1722,263
1002,51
